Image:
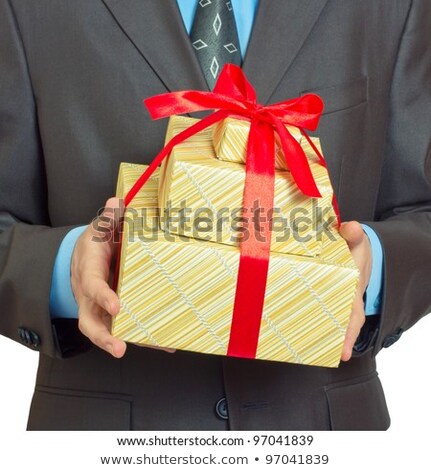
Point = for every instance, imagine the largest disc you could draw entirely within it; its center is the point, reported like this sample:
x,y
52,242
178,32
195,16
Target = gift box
x,y
230,141
178,292
243,300
201,196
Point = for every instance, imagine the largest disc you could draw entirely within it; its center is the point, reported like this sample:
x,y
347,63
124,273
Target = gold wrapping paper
x,y
230,141
209,193
178,292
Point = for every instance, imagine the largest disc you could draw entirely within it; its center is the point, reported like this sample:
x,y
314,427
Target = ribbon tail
x,y
315,149
323,163
181,137
255,245
296,161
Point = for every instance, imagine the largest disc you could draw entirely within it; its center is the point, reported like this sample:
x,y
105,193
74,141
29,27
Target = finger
x,y
357,320
96,289
352,232
94,324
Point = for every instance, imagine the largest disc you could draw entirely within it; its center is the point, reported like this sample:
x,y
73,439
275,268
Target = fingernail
x,y
108,306
110,348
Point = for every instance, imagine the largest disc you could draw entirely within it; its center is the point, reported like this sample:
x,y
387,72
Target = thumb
x,y
108,219
114,209
352,232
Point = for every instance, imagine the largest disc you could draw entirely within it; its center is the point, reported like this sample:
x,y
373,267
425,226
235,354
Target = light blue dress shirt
x,y
373,294
62,302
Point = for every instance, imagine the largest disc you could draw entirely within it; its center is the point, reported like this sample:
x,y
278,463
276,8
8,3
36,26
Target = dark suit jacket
x,y
72,79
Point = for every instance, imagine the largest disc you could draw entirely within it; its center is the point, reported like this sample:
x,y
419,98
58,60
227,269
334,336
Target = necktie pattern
x,y
215,38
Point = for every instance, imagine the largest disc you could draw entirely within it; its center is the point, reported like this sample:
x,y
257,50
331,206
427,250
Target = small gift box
x,y
230,141
179,292
201,196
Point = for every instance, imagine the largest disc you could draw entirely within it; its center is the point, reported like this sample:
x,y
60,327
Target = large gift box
x,y
281,299
178,292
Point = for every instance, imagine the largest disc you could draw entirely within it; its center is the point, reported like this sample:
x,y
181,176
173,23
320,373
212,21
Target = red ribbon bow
x,y
233,95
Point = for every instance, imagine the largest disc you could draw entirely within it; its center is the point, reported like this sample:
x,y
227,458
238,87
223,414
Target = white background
x,y
404,371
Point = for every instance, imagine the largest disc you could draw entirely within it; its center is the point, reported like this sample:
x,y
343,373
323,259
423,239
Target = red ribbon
x,y
233,95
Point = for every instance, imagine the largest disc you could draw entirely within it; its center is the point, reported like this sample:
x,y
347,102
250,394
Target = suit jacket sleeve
x,y
28,245
404,204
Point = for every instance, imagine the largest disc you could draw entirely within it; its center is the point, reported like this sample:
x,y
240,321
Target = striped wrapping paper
x,y
178,292
211,193
230,141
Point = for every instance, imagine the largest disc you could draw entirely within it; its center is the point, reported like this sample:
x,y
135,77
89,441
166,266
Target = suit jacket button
x,y
221,409
24,335
393,338
27,336
21,334
35,339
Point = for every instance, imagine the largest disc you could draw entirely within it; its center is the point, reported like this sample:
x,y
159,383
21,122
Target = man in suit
x,y
71,87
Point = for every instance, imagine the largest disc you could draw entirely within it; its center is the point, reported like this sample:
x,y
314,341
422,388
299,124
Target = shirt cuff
x,y
62,303
373,293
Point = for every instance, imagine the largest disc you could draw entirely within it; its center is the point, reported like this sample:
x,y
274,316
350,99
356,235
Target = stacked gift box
x,y
180,253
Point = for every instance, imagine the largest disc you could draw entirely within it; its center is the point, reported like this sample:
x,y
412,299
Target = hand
x,y
90,271
360,248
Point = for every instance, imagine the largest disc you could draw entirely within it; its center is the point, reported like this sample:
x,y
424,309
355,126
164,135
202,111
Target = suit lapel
x,y
156,29
280,29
